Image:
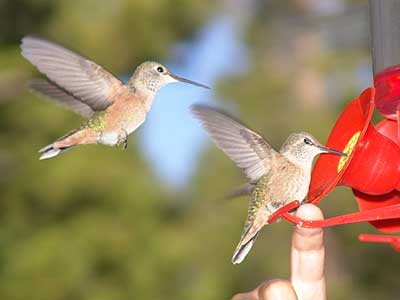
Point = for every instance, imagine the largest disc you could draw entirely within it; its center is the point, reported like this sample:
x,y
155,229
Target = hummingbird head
x,y
151,76
302,147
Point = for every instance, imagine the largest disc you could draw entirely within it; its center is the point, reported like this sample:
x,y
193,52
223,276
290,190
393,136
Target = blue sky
x,y
171,139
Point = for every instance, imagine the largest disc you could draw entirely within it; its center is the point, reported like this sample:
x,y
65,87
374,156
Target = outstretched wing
x,y
60,96
82,78
246,148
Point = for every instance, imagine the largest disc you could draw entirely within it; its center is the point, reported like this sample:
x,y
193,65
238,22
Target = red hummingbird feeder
x,y
372,164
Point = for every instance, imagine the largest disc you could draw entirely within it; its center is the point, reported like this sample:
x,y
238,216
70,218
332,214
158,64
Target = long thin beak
x,y
188,81
329,150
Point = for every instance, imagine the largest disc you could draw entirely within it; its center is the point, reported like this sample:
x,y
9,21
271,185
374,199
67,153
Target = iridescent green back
x,y
257,199
97,122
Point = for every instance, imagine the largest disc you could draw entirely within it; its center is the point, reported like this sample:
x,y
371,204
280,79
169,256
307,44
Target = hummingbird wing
x,y
60,96
243,190
83,78
249,150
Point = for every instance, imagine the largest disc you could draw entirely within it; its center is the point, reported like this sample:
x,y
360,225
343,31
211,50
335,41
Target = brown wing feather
x,y
81,77
249,150
60,96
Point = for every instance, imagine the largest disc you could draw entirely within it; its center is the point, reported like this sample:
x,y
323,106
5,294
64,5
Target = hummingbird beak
x,y
329,150
177,78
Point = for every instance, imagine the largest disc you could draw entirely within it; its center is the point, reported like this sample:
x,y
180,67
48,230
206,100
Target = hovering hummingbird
x,y
114,109
276,178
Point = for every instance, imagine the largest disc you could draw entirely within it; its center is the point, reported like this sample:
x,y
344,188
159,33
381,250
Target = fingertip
x,y
278,289
308,256
309,212
308,238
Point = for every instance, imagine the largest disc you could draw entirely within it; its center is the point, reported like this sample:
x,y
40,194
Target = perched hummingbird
x,y
114,109
276,178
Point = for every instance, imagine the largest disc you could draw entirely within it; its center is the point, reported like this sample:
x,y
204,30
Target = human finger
x,y
308,257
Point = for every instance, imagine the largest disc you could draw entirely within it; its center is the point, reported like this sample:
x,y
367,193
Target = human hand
x,y
307,266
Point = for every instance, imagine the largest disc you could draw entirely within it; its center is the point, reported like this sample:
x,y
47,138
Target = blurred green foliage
x,y
97,224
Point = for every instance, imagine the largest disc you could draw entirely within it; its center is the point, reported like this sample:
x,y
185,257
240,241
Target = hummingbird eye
x,y
160,69
308,141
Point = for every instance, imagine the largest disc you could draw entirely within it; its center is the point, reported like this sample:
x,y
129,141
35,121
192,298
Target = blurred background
x,y
148,223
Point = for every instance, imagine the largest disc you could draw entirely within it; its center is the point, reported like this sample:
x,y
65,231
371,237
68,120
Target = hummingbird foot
x,y
299,225
123,139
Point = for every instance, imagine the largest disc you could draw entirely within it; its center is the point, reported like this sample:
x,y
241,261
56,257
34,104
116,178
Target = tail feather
x,y
243,249
50,151
65,143
250,233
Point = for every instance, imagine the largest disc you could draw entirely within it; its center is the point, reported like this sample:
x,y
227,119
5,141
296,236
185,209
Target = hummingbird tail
x,y
50,151
71,139
243,249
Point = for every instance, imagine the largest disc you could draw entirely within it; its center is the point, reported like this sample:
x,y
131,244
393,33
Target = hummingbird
x,y
113,109
276,178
